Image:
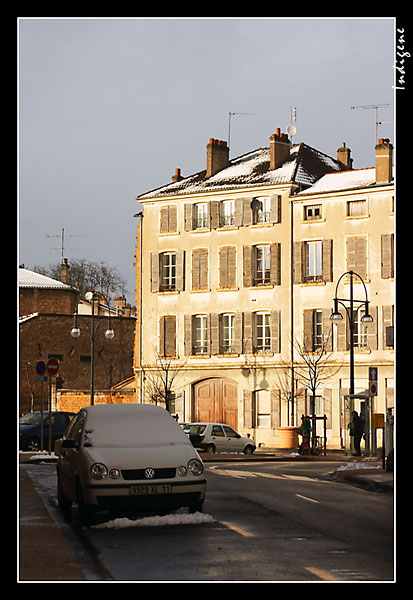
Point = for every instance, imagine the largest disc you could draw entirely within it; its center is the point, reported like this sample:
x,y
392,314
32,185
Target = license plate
x,y
138,490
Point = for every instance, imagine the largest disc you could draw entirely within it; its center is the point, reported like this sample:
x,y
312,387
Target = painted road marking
x,y
309,499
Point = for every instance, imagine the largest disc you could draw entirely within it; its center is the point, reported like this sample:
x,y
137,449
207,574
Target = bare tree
x,y
161,380
314,368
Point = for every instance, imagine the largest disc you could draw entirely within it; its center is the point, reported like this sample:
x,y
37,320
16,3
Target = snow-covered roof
x,y
344,180
30,279
304,167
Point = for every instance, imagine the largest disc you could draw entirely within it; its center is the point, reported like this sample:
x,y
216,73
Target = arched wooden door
x,y
216,400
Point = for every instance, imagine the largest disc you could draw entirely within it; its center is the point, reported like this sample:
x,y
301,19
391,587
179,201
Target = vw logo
x,y
149,473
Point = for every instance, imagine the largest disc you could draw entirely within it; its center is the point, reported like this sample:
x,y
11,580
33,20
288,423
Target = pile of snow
x,y
357,465
173,519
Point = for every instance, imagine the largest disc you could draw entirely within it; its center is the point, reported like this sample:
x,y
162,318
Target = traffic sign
x,y
52,366
372,388
373,373
40,367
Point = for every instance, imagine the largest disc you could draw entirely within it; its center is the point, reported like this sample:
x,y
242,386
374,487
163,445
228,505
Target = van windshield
x,y
132,429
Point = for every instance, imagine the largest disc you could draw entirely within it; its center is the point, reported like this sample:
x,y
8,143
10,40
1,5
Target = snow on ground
x,y
352,466
172,519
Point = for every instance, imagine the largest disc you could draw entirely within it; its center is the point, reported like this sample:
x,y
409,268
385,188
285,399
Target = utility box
x,y
378,420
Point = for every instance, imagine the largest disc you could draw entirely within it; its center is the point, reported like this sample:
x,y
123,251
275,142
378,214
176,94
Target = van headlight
x,y
195,467
98,471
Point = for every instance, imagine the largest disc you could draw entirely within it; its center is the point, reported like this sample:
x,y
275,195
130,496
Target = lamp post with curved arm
x,y
351,311
109,334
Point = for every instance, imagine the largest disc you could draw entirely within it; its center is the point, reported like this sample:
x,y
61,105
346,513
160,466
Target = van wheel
x,y
210,449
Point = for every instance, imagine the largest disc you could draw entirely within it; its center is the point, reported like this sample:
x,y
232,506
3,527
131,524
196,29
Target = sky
x,y
108,108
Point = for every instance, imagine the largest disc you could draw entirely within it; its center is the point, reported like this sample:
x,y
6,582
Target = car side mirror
x,y
69,443
238,435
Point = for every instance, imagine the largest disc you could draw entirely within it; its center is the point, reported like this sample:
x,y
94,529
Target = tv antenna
x,y
62,238
230,115
376,108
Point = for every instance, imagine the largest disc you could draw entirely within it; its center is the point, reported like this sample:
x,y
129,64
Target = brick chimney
x,y
279,149
177,176
217,157
384,161
344,158
64,271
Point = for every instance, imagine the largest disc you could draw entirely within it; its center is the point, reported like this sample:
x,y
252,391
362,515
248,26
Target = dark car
x,y
30,428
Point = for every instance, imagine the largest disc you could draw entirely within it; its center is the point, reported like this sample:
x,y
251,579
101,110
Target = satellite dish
x,y
256,204
291,130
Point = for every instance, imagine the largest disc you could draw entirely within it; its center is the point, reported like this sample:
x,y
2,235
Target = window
x,y
227,333
313,261
262,331
200,342
312,213
356,208
168,271
201,215
227,213
168,219
262,264
167,336
229,432
360,330
263,408
262,214
217,431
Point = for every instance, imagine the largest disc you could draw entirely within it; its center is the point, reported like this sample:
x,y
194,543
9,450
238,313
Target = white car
x,y
218,437
128,459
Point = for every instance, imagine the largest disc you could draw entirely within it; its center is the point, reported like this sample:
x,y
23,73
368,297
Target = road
x,y
262,521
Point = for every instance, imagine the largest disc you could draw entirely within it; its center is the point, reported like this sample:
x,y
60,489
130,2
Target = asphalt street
x,y
262,522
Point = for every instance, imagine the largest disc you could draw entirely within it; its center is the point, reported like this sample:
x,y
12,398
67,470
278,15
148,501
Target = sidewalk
x,y
45,553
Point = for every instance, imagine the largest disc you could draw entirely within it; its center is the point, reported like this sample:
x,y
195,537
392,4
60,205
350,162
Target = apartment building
x,y
237,267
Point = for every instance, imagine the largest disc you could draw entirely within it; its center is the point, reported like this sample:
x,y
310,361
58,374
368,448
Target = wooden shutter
x,y
387,319
214,214
275,408
387,255
342,331
172,219
238,333
247,409
164,224
154,272
298,262
248,265
227,267
188,217
275,264
238,212
309,330
327,260
275,331
275,214
167,342
188,335
372,342
328,409
248,332
356,255
214,332
247,211
196,260
327,329
180,270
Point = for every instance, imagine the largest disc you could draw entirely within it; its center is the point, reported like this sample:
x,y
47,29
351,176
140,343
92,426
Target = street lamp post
x,y
351,312
109,334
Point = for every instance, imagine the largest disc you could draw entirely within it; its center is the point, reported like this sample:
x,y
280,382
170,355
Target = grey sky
x,y
108,108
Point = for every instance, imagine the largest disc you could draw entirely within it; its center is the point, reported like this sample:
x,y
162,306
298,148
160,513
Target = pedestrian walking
x,y
356,431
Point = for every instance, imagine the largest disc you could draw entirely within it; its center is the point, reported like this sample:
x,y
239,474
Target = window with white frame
x,y
359,330
262,331
312,212
227,213
263,408
227,332
201,215
357,208
262,264
200,338
313,261
262,214
168,270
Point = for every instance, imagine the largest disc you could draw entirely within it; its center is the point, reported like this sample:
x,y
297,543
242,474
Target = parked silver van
x,y
128,459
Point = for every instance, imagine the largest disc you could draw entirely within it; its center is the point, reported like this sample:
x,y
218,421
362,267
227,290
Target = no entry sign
x,y
52,366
